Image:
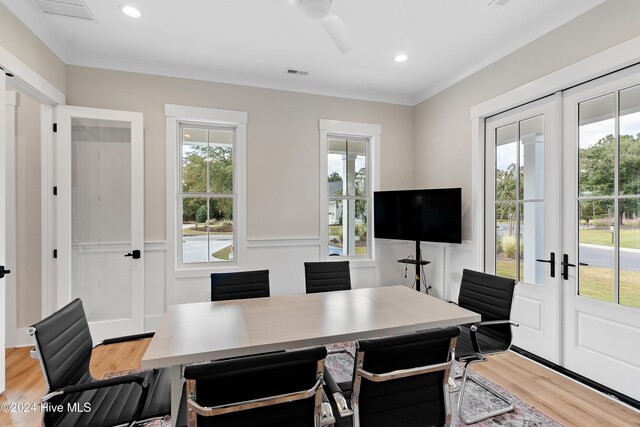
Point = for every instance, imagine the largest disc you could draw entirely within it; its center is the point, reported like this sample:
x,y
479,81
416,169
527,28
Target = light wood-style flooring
x,y
560,398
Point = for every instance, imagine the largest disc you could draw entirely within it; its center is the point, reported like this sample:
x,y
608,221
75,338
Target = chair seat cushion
x,y
488,344
112,405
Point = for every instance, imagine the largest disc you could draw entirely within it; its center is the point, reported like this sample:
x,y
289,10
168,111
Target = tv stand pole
x,y
418,262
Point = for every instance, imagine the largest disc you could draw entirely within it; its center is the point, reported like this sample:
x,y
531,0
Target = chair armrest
x,y
96,385
338,397
126,338
496,322
474,330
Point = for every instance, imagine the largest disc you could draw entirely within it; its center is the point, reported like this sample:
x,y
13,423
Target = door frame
x,y
24,80
10,281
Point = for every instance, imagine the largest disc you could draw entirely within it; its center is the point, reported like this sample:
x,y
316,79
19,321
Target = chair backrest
x,y
63,342
239,285
491,297
419,399
246,379
327,276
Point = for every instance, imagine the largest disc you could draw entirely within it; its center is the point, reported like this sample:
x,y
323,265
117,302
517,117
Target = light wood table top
x,y
197,332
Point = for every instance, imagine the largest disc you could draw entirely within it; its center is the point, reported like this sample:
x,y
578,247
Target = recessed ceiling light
x,y
131,11
401,58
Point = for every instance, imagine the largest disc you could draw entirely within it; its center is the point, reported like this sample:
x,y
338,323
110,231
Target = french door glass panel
x,y
101,218
519,183
609,190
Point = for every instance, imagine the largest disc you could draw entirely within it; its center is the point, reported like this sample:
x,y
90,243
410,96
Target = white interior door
x,y
3,216
602,231
100,229
523,149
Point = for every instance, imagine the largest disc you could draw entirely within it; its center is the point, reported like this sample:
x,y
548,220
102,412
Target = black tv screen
x,y
428,215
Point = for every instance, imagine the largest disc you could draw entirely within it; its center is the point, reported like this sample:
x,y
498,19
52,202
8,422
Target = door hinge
x,y
55,253
55,190
55,127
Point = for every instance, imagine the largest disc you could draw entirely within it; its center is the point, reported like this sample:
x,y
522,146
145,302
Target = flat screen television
x,y
427,215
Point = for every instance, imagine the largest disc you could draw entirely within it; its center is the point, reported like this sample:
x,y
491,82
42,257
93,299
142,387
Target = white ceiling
x,y
253,42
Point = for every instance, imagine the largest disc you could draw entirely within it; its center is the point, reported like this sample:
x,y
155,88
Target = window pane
x,y
629,169
357,161
630,252
335,227
506,241
195,241
336,165
532,158
596,237
506,162
221,161
194,160
596,147
360,229
220,227
532,242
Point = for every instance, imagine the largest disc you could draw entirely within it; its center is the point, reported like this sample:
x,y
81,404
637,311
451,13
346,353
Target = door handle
x,y
134,254
552,261
3,272
565,266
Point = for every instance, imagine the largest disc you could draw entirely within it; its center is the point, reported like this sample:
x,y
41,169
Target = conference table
x,y
197,332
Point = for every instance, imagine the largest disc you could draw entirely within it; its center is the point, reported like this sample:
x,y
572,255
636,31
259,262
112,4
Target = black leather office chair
x,y
63,345
239,285
399,381
491,297
327,276
278,389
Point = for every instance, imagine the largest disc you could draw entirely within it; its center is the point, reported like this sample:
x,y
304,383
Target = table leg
x,y
176,389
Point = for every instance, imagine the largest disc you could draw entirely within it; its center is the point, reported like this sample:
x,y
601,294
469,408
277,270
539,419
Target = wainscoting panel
x,y
155,283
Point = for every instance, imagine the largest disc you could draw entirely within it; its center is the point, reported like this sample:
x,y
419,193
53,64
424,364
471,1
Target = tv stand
x,y
418,262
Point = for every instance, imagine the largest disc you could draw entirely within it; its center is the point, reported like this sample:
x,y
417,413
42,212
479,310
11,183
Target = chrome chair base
x,y
481,417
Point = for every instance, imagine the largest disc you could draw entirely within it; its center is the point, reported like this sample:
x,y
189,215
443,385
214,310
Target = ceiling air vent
x,y
297,72
73,9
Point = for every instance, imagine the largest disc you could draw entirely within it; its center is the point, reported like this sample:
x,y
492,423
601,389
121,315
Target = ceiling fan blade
x,y
337,31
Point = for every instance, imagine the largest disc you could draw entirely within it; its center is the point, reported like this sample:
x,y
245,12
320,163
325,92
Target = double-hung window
x,y
349,178
206,195
206,192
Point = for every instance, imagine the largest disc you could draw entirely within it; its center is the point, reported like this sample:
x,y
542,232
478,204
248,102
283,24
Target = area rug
x,y
477,399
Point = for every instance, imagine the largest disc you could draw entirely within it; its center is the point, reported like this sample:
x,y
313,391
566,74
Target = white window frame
x,y
176,115
371,132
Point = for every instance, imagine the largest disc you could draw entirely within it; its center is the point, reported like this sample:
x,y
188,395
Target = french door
x,y
563,180
523,149
602,231
100,229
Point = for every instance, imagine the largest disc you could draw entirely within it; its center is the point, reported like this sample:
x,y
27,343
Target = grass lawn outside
x,y
223,253
629,237
595,282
